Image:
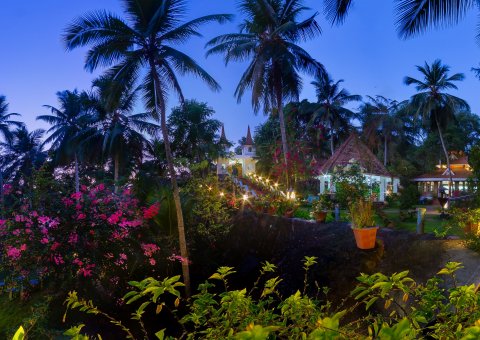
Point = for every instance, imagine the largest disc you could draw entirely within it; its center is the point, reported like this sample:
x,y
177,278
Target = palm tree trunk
x,y
283,132
385,151
176,193
450,184
77,176
332,149
115,171
1,194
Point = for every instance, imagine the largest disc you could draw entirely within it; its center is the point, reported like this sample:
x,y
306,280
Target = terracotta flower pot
x,y
321,216
365,237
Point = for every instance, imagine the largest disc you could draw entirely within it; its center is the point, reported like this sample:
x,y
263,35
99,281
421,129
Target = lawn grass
x,y
433,222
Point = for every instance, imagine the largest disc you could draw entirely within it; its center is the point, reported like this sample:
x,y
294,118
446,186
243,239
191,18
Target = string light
x,y
222,194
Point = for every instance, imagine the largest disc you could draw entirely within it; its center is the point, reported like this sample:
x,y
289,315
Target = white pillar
x,y
395,185
322,184
382,189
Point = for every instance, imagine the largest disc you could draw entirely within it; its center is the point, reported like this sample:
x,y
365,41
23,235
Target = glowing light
x,y
245,197
222,194
276,185
209,188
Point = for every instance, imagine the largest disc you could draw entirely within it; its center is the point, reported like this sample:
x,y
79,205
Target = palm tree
x,y
23,154
268,40
380,114
194,133
112,125
432,103
412,16
147,39
67,121
331,101
6,123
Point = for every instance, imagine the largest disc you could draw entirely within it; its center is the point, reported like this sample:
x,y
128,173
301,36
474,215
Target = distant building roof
x,y
459,166
249,140
354,150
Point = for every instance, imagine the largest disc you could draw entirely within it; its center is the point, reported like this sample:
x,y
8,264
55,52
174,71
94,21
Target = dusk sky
x,y
366,52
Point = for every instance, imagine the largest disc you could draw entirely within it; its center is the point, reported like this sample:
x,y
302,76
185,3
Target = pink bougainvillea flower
x,y
67,202
13,253
115,217
55,246
43,219
149,249
151,211
44,240
179,258
58,259
152,262
76,196
81,216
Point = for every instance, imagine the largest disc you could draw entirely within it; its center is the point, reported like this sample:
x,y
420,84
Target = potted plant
x,y
321,207
363,223
287,207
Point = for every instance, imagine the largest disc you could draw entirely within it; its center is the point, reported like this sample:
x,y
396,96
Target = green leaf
x,y
371,302
160,334
19,334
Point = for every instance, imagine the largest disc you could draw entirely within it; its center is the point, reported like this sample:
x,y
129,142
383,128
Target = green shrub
x,y
350,184
396,308
409,197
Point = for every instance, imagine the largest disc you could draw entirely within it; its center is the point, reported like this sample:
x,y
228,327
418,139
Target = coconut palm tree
x,y
66,121
6,123
194,132
330,107
147,38
380,115
432,103
412,16
23,153
268,40
112,125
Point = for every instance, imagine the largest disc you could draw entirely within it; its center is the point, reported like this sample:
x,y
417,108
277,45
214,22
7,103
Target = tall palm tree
x,y
268,40
112,125
194,133
6,123
147,39
380,114
432,103
331,101
412,16
23,154
67,121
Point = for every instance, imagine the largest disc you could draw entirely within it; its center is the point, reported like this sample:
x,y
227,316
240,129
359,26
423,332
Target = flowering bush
x,y
96,236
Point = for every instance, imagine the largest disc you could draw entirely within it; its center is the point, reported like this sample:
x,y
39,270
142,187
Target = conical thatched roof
x,y
354,150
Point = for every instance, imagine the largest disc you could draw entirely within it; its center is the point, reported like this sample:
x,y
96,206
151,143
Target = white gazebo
x,y
352,151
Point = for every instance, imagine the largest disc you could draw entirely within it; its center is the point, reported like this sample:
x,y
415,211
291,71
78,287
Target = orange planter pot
x,y
365,237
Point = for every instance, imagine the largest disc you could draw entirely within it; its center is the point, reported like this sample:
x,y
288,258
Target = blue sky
x,y
366,52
